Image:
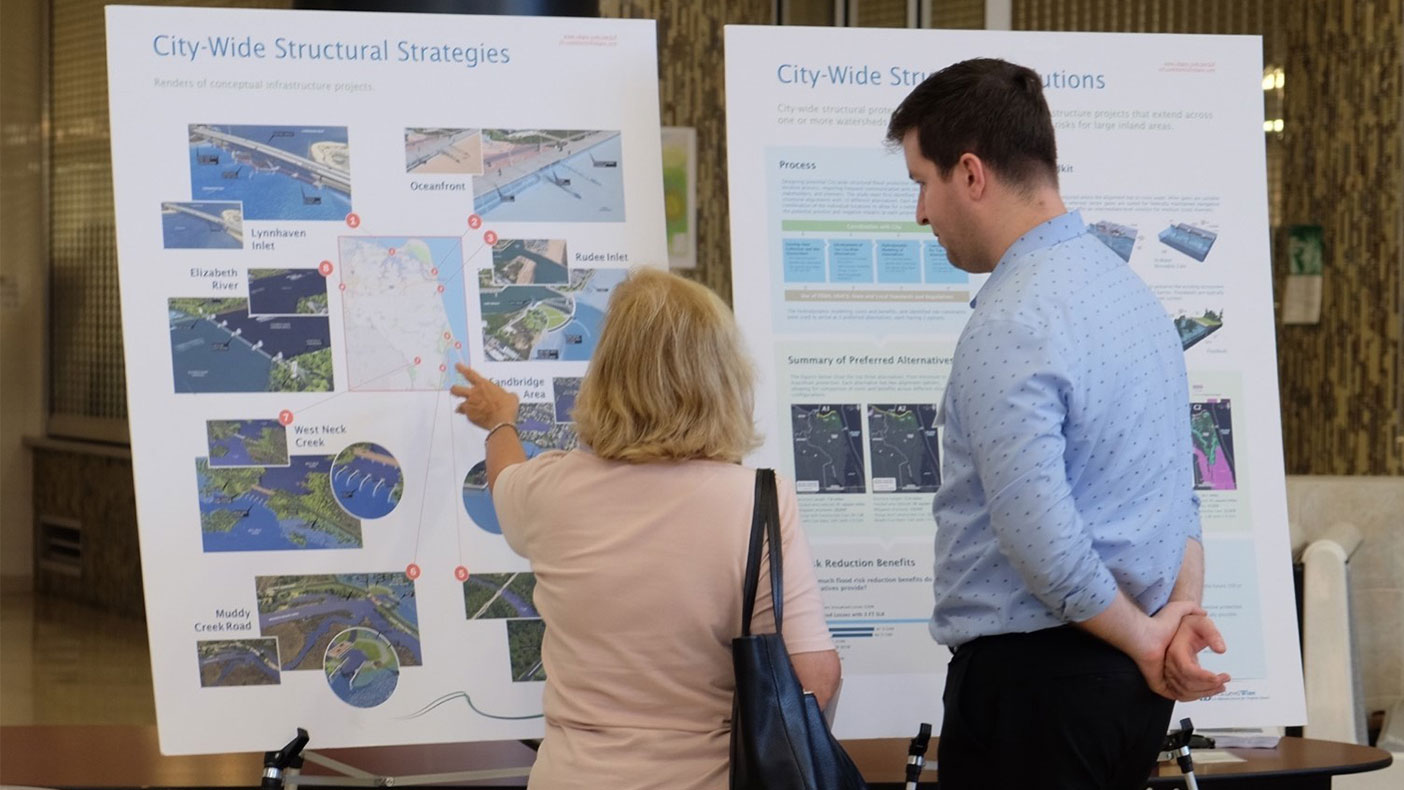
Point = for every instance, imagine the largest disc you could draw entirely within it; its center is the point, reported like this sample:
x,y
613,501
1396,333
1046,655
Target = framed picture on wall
x,y
680,195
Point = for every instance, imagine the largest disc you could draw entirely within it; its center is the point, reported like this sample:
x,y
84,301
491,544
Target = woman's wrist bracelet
x,y
500,426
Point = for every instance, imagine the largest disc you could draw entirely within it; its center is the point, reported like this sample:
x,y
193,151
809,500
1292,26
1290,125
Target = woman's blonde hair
x,y
669,379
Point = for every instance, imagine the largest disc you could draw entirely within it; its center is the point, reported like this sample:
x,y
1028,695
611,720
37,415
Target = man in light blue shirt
x,y
1069,567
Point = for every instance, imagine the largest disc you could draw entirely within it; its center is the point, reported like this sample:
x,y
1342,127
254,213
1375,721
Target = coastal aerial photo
x,y
238,662
444,151
277,172
306,613
273,508
550,175
247,442
217,345
208,225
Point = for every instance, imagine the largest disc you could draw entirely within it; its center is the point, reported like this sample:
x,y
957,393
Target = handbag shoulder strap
x,y
765,528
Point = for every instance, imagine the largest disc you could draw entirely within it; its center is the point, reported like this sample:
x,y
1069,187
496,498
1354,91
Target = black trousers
x,y
1057,708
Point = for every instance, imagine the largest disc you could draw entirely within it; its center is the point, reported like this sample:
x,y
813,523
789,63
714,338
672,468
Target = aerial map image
x,y
1120,238
211,225
444,151
550,175
1211,425
540,430
529,262
902,443
362,667
305,613
238,662
547,322
404,311
1192,241
273,508
247,442
828,444
498,596
287,292
278,172
366,480
218,346
524,647
566,389
1196,328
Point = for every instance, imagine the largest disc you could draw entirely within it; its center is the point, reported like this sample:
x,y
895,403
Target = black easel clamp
x,y
1177,744
276,764
916,755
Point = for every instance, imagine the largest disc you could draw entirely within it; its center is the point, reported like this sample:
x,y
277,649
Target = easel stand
x,y
283,769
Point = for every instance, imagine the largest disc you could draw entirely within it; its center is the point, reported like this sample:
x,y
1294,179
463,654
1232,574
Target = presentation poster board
x,y
852,312
318,215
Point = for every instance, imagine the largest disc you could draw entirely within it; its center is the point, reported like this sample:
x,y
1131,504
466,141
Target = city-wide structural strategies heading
x,y
167,45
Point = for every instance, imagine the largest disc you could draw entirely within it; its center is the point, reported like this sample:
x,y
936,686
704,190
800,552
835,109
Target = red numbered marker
x,y
460,573
439,288
285,417
412,571
457,344
392,252
443,368
490,237
417,360
434,271
474,222
342,286
325,267
353,220
448,336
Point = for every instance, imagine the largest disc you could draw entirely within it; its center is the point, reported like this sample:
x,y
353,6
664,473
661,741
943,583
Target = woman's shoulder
x,y
534,468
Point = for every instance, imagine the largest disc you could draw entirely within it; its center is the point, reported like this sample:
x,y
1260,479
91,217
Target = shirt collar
x,y
1055,231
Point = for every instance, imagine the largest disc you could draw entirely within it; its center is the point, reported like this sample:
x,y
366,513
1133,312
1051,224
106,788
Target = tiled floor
x,y
63,663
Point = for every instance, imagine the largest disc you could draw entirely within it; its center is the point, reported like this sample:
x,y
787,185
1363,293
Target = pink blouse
x,y
638,578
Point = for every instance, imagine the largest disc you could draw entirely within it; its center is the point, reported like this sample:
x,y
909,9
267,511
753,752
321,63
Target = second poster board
x,y
852,312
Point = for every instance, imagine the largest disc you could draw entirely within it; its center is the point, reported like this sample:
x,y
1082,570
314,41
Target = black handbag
x,y
779,739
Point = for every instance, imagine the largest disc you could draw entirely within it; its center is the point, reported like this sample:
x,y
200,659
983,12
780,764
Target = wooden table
x,y
127,756
1295,763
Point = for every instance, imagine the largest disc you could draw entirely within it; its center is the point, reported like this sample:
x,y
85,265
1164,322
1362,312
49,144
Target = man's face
x,y
939,202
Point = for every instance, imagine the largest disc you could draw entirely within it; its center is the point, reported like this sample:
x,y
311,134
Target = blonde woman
x,y
638,542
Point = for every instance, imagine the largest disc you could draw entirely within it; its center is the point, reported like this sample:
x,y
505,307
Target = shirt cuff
x,y
1090,599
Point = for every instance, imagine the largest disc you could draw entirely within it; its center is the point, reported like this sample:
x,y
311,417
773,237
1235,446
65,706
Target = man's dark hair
x,y
987,107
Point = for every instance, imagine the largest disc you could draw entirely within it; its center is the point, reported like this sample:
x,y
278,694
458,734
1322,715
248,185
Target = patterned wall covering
x,y
1342,411
87,376
1337,164
691,93
956,14
877,13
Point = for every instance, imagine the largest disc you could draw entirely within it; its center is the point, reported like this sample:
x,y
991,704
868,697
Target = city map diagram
x,y
903,445
828,447
1211,425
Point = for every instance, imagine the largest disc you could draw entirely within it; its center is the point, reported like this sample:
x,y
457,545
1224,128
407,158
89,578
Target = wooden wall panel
x,y
1341,409
692,93
95,492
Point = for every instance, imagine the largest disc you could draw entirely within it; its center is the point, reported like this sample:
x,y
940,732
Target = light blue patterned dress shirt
x,y
1067,469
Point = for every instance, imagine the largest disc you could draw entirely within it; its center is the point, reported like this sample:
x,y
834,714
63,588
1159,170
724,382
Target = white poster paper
x,y
318,215
852,312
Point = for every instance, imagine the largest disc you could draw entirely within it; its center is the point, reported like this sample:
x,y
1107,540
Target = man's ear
x,y
973,174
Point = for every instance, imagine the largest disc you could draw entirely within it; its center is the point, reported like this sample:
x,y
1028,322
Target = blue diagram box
x,y
898,262
1120,238
939,270
850,261
804,260
1192,241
